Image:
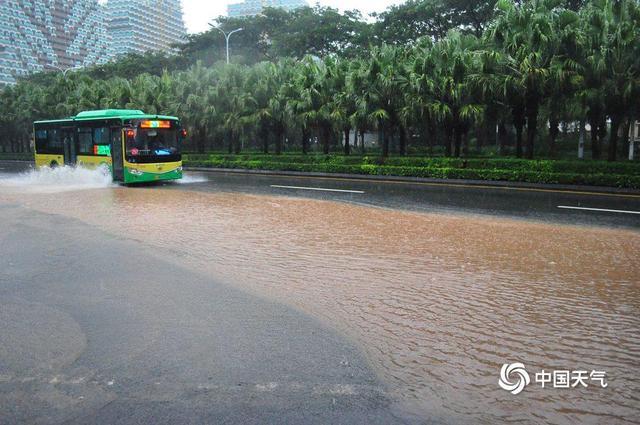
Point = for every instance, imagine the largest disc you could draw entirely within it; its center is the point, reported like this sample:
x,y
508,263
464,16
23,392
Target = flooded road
x,y
438,302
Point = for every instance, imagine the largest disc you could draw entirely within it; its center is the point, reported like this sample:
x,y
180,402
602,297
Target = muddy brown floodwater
x,y
437,302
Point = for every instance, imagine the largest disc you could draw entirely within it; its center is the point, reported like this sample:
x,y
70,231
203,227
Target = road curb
x,y
404,179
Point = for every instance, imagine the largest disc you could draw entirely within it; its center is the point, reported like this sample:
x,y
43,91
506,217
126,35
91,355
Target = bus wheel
x,y
53,164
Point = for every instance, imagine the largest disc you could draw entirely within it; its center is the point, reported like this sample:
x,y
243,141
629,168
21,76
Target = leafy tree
x,y
407,22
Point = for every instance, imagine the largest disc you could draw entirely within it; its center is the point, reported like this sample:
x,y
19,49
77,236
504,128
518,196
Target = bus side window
x,y
85,141
101,141
54,141
41,141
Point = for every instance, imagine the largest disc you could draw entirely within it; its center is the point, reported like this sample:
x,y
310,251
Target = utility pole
x,y
227,36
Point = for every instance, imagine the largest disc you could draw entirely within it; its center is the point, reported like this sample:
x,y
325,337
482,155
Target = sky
x,y
198,13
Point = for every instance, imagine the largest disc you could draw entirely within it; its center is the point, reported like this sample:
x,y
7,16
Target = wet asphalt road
x,y
531,204
540,205
96,329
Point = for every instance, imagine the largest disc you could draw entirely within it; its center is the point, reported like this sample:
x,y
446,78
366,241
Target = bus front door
x,y
116,154
68,140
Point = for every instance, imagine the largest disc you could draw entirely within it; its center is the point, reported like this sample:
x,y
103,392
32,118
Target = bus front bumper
x,y
152,173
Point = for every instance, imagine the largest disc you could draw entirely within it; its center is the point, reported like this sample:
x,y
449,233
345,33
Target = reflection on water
x,y
437,302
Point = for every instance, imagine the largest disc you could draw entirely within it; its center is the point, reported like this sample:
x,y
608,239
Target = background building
x,y
137,26
36,35
253,7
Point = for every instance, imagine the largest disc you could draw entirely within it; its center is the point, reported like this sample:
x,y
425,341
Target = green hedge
x,y
23,156
597,173
515,164
515,170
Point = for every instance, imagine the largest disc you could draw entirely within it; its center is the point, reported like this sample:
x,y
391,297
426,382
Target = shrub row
x,y
513,164
447,172
21,156
598,173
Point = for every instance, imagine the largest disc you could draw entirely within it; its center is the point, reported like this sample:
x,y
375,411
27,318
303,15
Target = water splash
x,y
59,179
190,178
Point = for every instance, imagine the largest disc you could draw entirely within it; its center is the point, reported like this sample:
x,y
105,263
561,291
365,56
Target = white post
x,y
632,140
581,140
227,37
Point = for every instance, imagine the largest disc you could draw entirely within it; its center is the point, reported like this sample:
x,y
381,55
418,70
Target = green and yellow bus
x,y
134,146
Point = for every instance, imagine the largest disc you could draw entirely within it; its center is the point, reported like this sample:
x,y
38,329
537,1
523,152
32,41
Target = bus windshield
x,y
153,145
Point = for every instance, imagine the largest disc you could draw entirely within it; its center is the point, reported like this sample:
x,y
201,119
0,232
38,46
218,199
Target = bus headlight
x,y
179,169
135,172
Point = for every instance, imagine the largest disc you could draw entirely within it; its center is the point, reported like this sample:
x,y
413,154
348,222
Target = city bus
x,y
135,147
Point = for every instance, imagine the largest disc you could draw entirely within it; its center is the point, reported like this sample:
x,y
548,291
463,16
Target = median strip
x,y
316,188
598,209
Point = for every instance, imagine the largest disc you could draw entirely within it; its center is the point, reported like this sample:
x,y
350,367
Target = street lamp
x,y
227,36
64,70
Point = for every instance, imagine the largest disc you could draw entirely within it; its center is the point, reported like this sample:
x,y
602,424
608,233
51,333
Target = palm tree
x,y
454,104
419,100
361,118
195,101
233,102
494,91
385,79
343,103
526,33
315,96
564,76
280,106
618,25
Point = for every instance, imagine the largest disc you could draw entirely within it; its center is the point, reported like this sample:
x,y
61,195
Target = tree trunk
x,y
465,143
362,132
264,135
532,127
613,138
581,138
519,127
385,141
602,134
502,138
347,145
595,141
305,140
553,135
237,146
484,135
625,133
447,141
279,137
432,137
403,141
458,142
325,134
200,141
230,137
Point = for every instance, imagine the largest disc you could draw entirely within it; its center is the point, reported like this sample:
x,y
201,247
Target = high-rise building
x,y
36,35
254,7
137,26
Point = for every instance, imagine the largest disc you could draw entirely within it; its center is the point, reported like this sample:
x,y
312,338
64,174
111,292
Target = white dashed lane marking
x,y
323,189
